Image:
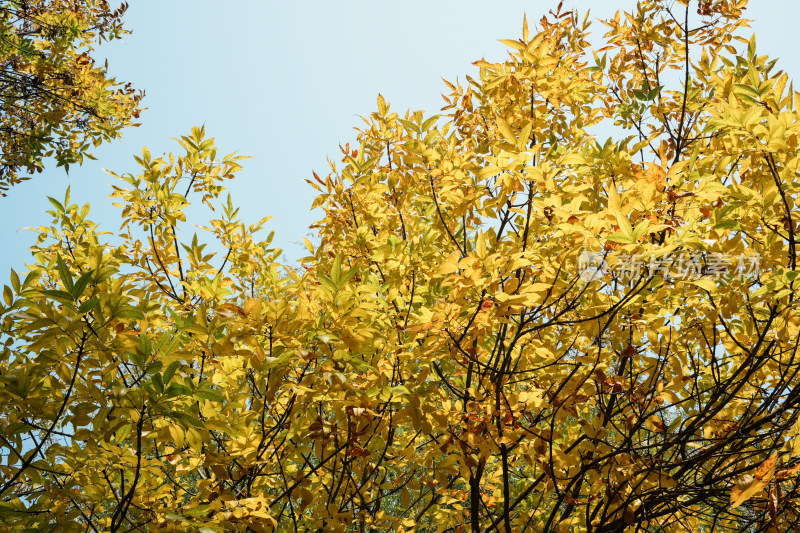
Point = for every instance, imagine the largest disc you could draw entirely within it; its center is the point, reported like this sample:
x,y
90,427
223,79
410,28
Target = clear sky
x,y
285,82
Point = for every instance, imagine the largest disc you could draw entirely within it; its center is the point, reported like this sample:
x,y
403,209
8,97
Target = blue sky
x,y
285,82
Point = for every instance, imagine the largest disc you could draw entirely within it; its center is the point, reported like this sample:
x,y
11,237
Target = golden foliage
x,y
441,361
56,102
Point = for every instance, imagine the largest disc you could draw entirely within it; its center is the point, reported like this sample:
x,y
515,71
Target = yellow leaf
x,y
480,246
449,265
382,107
489,171
750,485
177,434
524,136
525,27
505,131
572,159
705,284
516,45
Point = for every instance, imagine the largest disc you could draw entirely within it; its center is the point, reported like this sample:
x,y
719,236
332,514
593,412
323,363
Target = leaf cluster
x,y
55,101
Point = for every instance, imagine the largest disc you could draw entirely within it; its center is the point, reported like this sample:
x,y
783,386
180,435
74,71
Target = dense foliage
x,y
504,324
54,100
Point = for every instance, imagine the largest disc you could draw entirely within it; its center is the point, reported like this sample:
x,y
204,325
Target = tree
x,y
505,324
56,102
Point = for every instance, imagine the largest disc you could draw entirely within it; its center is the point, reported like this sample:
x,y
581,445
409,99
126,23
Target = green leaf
x,y
208,394
170,371
80,285
328,283
32,275
747,90
88,305
145,345
184,418
409,125
728,223
429,122
56,204
158,383
654,92
175,389
105,274
346,276
128,311
139,359
64,273
61,296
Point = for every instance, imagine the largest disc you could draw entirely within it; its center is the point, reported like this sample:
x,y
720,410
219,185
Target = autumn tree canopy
x,y
567,303
55,101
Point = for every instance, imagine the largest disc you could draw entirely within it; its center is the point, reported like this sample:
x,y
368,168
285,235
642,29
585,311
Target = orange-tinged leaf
x,y
748,486
766,469
785,473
